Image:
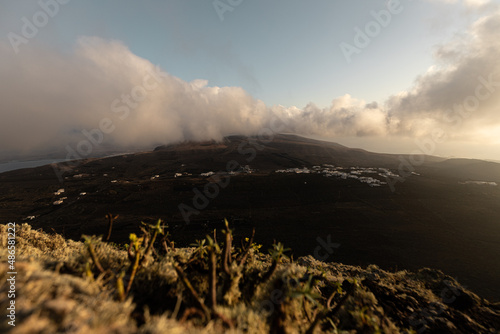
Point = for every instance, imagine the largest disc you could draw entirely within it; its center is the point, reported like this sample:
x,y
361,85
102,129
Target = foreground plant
x,y
139,251
185,290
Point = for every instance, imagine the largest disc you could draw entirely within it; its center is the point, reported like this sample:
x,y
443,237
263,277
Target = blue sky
x,y
283,52
280,53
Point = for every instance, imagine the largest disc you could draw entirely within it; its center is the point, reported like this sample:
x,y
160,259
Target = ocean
x,y
13,165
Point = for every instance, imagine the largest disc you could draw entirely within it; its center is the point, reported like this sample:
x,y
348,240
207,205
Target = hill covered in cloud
x,y
105,94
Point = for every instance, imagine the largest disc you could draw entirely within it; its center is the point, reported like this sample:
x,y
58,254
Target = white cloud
x,y
466,3
459,82
476,3
48,98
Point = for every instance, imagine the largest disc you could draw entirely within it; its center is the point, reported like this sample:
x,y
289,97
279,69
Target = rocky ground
x,y
69,286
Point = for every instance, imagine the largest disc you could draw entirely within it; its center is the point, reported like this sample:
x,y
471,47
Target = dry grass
x,y
60,289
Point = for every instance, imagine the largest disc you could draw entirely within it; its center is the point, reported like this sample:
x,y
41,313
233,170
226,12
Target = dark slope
x,y
282,151
470,169
429,220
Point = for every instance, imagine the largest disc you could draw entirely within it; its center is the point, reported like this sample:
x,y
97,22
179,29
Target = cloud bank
x,y
49,99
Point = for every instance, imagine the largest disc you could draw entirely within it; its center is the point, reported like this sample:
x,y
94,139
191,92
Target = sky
x,y
387,76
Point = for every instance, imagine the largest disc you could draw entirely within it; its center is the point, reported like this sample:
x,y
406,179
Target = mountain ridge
x,y
423,221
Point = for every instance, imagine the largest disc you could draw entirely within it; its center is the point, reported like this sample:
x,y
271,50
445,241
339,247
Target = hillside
x,y
68,286
291,189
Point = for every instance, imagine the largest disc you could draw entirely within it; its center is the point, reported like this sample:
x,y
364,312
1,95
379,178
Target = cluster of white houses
x,y
243,169
480,183
362,174
61,199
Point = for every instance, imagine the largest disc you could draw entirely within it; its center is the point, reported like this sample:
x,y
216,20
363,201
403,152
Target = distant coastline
x,y
14,165
7,166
